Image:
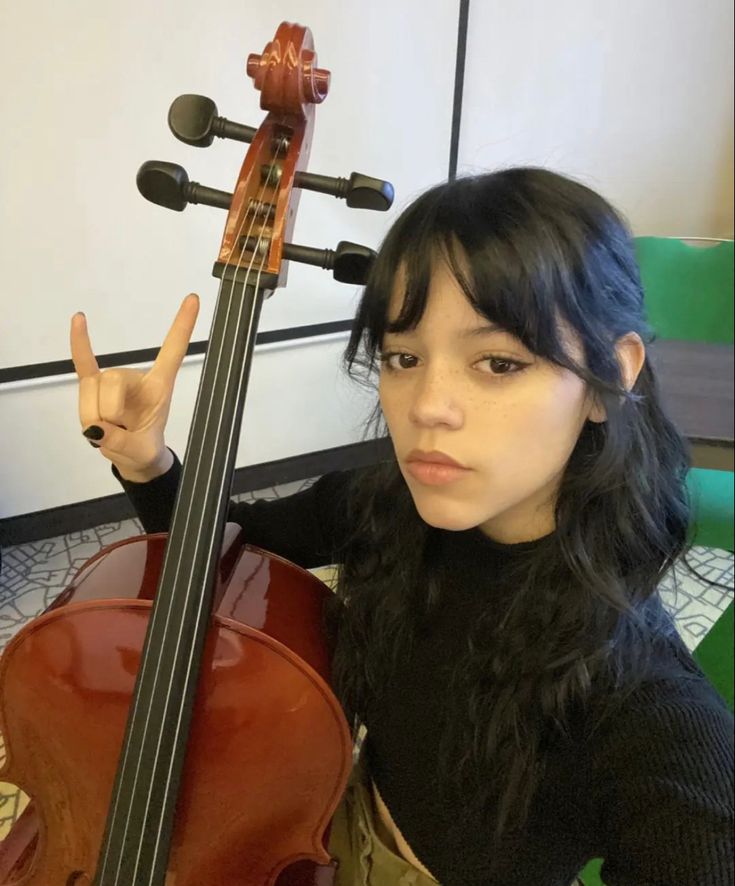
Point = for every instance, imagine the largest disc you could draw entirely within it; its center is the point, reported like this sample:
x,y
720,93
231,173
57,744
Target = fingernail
x,y
94,432
96,445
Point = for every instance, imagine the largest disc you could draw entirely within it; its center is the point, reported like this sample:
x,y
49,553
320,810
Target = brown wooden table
x,y
696,381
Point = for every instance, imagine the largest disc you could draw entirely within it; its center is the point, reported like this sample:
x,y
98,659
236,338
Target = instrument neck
x,y
140,821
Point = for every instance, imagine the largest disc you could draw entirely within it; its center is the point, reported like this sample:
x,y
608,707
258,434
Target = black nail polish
x,y
94,432
96,445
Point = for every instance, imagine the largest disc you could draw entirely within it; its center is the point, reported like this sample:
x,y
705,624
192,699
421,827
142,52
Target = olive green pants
x,y
364,859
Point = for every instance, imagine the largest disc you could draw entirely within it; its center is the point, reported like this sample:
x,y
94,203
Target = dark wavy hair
x,y
527,246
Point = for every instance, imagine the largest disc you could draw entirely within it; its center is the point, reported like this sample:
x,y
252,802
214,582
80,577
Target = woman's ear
x,y
631,353
631,356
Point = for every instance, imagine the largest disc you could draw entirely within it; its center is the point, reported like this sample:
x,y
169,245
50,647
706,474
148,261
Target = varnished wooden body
x,y
263,703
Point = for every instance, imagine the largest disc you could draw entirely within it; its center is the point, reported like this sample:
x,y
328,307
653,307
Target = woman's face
x,y
509,417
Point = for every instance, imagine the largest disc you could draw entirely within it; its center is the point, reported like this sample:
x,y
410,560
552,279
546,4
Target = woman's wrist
x,y
159,467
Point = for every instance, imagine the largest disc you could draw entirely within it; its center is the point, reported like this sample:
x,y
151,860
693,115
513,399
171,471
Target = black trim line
x,y
83,515
148,355
464,15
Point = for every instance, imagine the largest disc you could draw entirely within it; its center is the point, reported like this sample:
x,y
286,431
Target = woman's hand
x,y
129,406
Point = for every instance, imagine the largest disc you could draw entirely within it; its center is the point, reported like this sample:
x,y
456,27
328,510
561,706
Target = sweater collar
x,y
479,539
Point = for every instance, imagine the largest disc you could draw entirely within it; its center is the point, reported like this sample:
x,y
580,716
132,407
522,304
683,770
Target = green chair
x,y
688,289
689,296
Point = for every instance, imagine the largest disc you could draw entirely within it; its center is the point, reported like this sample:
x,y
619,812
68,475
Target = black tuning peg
x,y
349,262
193,119
359,191
167,184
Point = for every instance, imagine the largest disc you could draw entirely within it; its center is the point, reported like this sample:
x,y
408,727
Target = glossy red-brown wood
x,y
290,85
269,750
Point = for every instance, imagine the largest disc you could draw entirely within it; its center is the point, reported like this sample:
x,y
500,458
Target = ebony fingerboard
x,y
136,844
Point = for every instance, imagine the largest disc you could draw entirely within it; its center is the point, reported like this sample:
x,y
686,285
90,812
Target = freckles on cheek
x,y
544,428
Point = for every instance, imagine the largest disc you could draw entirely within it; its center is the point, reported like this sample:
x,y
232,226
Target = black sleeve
x,y
307,528
665,776
153,501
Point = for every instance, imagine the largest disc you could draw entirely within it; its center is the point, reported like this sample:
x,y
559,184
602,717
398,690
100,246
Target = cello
x,y
170,714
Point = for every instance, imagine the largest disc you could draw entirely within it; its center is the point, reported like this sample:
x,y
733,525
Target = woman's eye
x,y
503,365
388,360
398,360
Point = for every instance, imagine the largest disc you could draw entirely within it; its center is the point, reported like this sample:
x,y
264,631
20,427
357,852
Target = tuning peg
x,y
167,184
349,262
359,191
193,119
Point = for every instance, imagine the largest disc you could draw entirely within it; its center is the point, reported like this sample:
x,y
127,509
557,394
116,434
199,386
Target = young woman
x,y
528,703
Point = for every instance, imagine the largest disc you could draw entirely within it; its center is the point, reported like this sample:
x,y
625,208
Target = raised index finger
x,y
173,349
82,355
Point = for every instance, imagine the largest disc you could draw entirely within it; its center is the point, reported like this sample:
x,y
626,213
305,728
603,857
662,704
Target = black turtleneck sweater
x,y
652,794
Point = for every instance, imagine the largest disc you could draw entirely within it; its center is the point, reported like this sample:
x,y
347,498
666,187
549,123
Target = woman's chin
x,y
441,517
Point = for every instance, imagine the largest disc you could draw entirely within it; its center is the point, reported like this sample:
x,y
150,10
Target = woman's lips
x,y
433,473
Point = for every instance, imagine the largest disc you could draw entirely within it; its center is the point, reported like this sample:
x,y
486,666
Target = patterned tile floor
x,y
34,574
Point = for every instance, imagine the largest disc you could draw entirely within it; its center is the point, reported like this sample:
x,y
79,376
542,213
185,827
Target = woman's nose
x,y
435,401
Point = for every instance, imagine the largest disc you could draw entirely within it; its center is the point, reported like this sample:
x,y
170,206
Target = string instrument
x,y
170,714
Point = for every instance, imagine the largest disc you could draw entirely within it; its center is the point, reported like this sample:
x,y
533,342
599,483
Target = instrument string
x,y
258,203
200,614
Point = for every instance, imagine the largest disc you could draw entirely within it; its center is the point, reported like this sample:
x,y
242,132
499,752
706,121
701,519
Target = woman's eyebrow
x,y
481,330
475,331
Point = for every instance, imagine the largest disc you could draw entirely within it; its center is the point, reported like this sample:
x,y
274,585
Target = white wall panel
x,y
299,401
86,92
633,97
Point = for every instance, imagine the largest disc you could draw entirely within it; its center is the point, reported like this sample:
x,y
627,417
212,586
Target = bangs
x,y
504,266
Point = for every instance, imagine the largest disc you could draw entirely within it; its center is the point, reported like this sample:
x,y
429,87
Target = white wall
x,y
87,87
632,96
298,402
